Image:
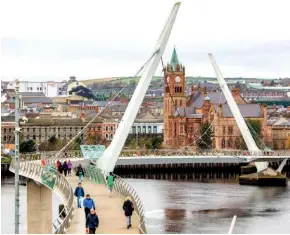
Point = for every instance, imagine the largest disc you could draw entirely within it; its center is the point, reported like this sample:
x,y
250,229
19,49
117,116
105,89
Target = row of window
x,y
227,144
177,89
145,130
9,130
53,129
230,130
46,137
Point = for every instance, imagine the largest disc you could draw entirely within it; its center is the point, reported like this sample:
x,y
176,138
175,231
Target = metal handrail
x,y
61,187
123,189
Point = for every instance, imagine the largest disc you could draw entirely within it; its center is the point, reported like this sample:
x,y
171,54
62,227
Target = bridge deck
x,y
109,210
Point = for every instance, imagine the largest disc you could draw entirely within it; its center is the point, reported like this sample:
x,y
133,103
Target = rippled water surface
x,y
195,207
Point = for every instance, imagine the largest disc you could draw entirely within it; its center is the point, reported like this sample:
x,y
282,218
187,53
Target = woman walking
x,y
80,172
69,167
65,168
128,209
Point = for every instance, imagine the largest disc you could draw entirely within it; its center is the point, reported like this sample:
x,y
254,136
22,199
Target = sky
x,y
51,40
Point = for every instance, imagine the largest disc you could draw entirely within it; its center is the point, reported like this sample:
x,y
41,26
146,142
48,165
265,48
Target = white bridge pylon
x,y
249,140
110,157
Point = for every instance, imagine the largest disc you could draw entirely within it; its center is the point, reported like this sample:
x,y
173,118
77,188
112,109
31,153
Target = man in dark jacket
x,y
128,208
92,222
79,192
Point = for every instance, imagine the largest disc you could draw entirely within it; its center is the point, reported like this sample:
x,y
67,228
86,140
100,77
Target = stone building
x,y
184,116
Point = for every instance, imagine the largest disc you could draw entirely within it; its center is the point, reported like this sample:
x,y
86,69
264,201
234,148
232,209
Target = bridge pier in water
x,y
39,208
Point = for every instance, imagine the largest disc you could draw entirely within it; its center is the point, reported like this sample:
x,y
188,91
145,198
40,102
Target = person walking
x,y
128,209
110,182
88,204
80,194
60,168
65,167
80,172
92,222
69,167
57,164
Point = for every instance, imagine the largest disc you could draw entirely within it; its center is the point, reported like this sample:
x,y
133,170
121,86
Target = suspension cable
x,y
106,106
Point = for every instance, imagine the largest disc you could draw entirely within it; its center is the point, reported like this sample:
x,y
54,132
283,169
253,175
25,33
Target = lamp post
x,y
16,159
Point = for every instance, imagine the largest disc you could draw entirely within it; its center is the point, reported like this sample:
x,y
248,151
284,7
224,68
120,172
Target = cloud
x,y
114,38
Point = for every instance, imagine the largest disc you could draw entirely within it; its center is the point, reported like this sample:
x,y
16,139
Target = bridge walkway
x,y
109,210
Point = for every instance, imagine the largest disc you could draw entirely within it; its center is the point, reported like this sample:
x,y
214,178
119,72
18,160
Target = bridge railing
x,y
122,188
60,186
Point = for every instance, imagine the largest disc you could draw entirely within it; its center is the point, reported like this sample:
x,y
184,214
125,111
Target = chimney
x,y
220,111
264,110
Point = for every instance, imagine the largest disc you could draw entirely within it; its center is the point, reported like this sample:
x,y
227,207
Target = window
x,y
58,128
107,128
33,129
39,137
27,129
180,101
39,129
107,136
144,129
70,128
99,128
9,130
54,129
223,143
34,137
230,130
64,129
224,130
4,138
112,128
181,128
139,129
155,129
45,129
111,136
230,143
4,130
133,129
149,129
166,89
38,88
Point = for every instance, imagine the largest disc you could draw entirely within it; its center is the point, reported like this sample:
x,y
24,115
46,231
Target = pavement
x,y
109,210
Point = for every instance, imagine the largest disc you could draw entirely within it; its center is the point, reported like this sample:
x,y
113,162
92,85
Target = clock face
x,y
167,79
177,79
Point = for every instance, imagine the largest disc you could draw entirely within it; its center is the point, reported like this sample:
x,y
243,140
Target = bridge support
x,y
39,209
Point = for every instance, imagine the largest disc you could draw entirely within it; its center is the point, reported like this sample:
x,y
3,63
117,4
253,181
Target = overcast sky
x,y
50,40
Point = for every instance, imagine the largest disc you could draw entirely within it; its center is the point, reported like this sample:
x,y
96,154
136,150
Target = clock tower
x,y
174,93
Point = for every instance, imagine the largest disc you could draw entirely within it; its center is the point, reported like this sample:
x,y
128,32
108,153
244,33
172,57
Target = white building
x,y
147,128
50,89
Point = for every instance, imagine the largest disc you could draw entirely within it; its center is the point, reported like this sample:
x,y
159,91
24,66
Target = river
x,y
191,207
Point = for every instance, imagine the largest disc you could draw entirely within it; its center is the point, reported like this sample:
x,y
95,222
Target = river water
x,y
190,207
7,207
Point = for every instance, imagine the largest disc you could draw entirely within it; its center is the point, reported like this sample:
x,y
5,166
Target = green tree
x,y
27,146
205,142
157,142
255,129
91,139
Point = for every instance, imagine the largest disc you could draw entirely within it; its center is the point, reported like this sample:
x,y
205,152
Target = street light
x,y
16,160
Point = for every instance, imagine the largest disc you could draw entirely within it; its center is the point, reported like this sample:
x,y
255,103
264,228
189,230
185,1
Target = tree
x,y
157,142
205,142
27,146
91,139
255,129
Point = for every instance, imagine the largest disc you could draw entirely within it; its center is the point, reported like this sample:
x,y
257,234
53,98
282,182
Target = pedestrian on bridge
x,y
110,182
128,208
80,172
92,222
88,204
65,168
80,194
69,167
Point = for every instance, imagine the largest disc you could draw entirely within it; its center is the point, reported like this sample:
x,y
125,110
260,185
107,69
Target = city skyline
x,y
87,42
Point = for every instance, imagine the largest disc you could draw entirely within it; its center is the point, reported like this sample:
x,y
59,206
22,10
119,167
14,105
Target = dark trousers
x,y
92,230
87,211
65,172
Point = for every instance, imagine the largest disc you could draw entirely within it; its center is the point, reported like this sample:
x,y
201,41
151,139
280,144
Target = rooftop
x,y
247,110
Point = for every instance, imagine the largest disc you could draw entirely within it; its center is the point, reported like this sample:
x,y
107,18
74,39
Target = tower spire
x,y
174,59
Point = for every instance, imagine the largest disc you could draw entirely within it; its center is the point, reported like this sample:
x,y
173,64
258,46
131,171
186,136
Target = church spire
x,y
174,60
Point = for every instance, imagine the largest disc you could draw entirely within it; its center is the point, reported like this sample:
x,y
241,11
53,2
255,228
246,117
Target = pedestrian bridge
x,y
45,179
